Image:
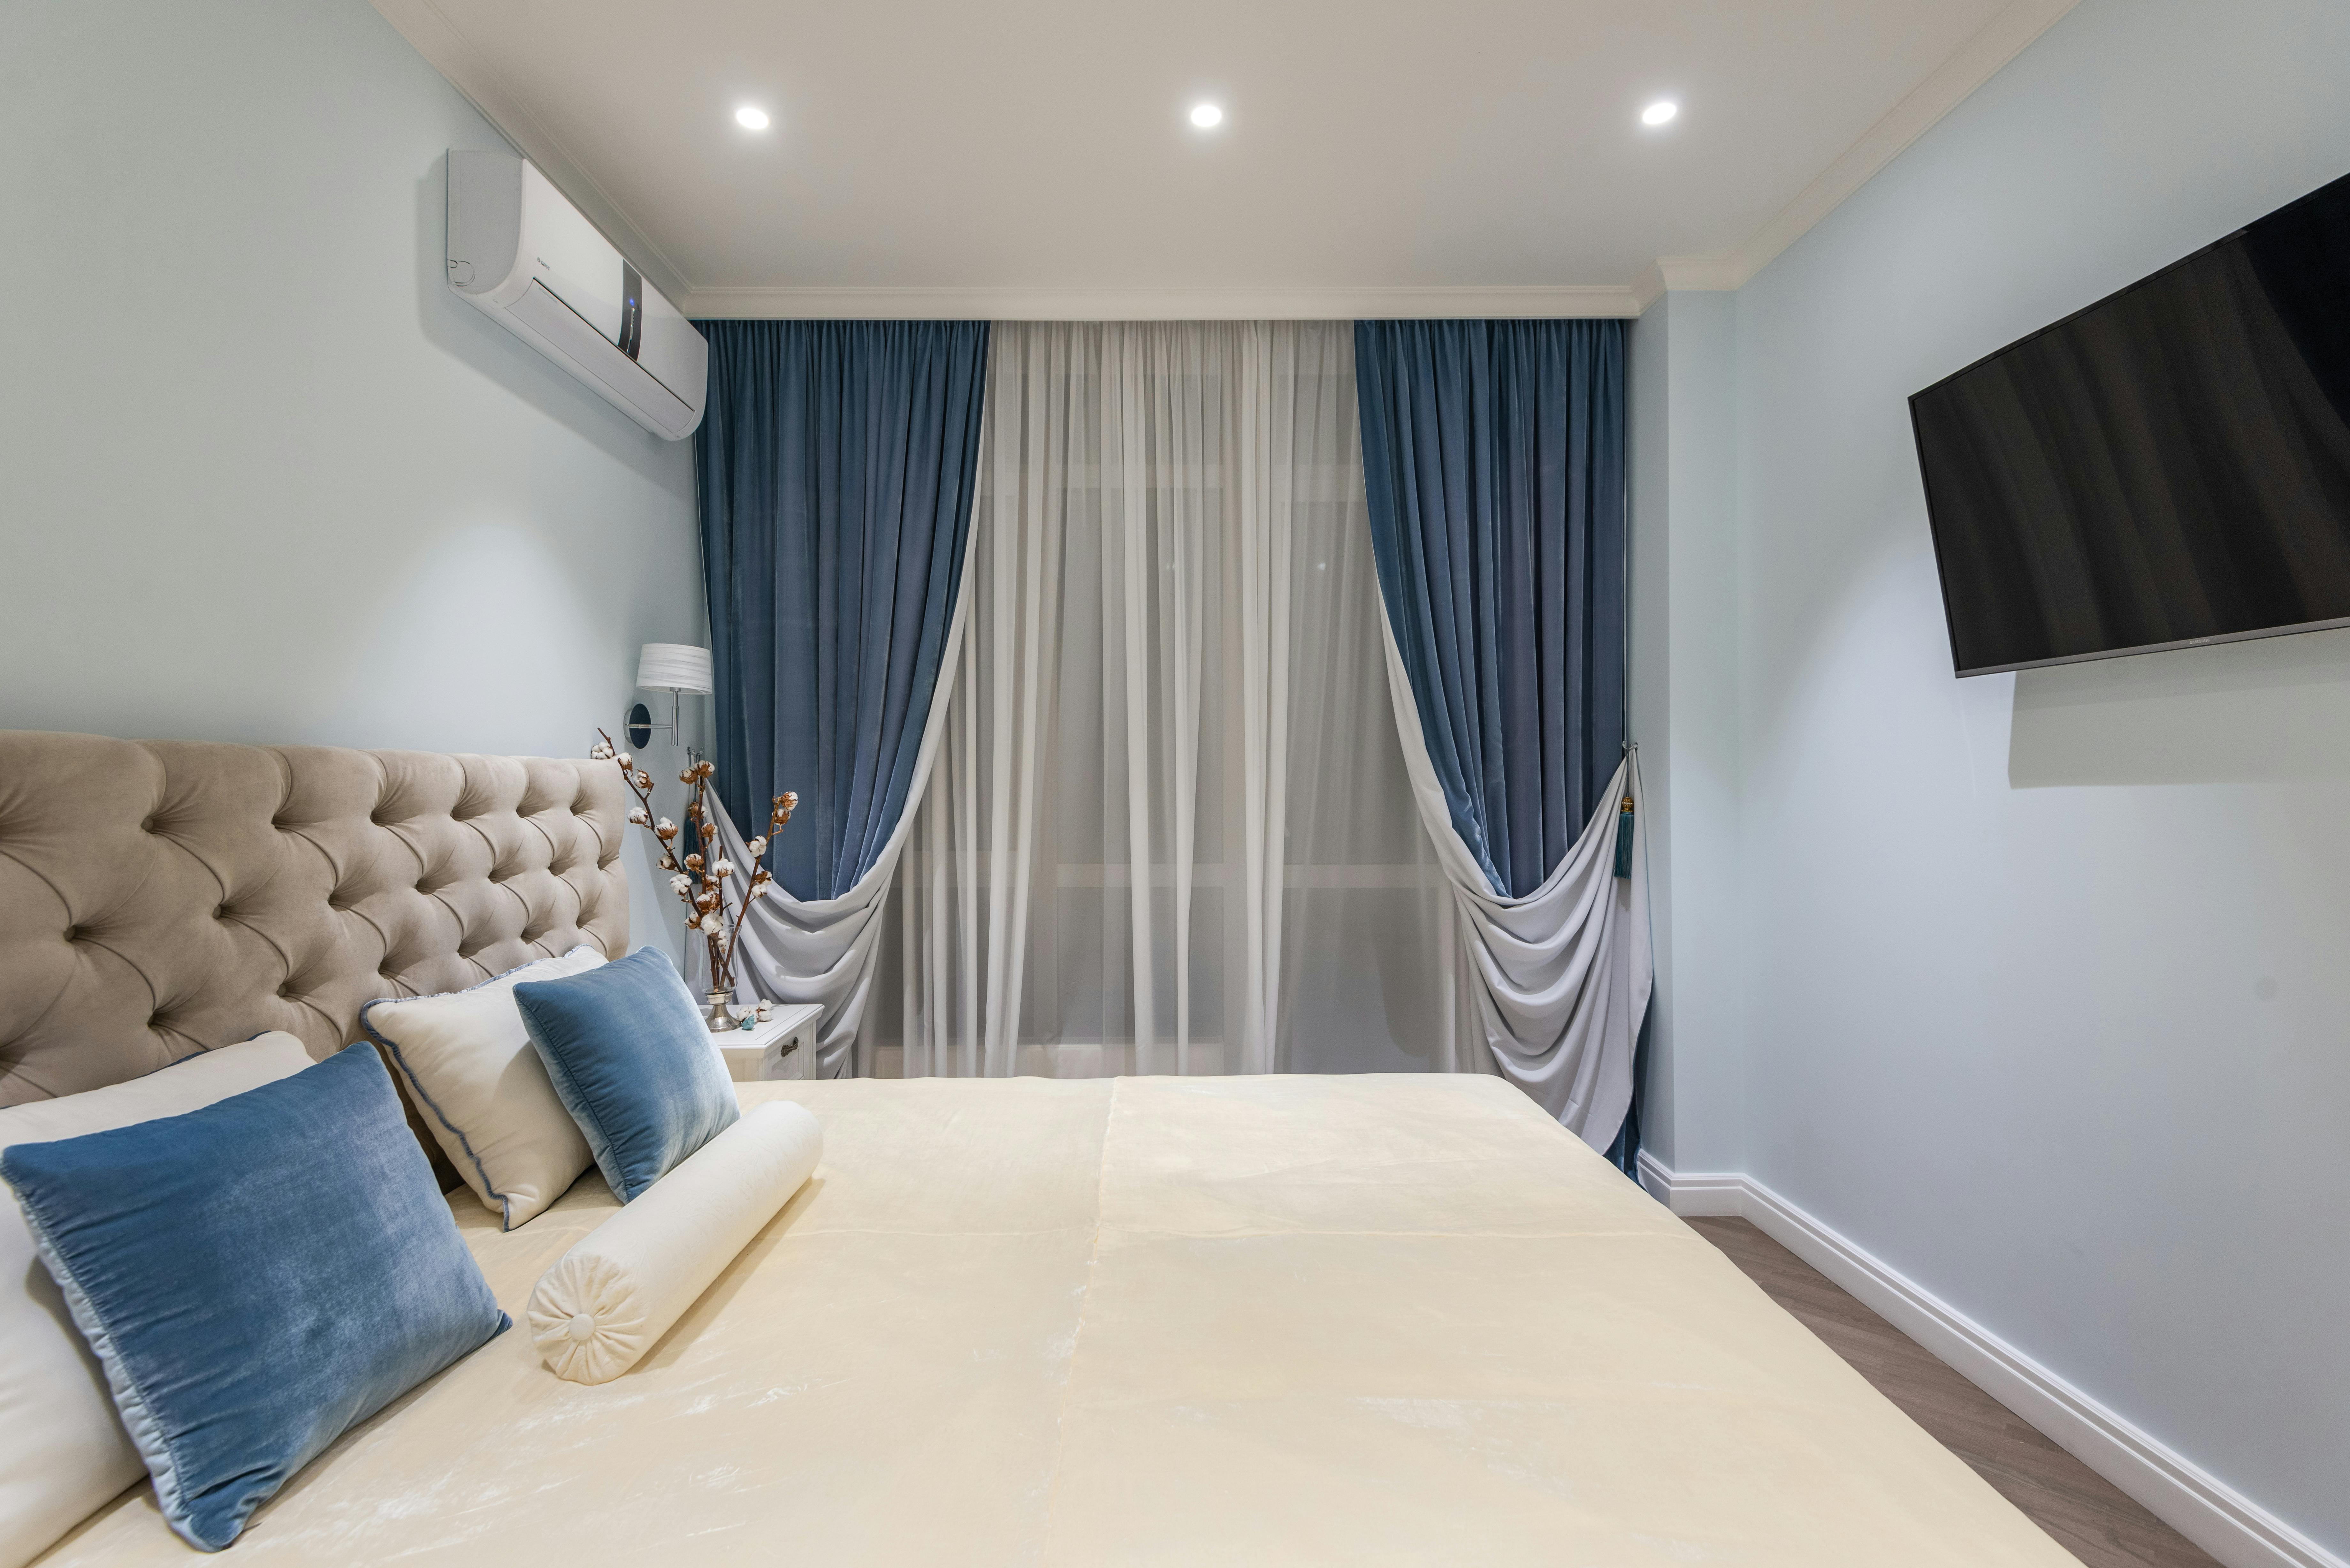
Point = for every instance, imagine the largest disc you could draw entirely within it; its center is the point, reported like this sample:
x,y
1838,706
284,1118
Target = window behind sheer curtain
x,y
1170,828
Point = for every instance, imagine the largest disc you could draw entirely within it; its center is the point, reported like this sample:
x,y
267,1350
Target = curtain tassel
x,y
1624,838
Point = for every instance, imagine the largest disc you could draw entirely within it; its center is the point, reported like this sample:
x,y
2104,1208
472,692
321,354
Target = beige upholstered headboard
x,y
157,898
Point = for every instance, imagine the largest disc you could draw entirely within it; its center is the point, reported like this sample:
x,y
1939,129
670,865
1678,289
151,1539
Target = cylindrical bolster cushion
x,y
610,1299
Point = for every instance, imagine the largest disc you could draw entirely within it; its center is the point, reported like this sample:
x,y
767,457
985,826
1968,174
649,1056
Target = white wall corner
x,y
1649,287
2216,1517
1704,274
1714,1195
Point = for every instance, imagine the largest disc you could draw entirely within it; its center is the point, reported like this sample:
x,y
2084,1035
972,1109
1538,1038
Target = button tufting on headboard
x,y
240,889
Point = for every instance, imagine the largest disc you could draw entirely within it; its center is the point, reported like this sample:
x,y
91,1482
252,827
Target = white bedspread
x,y
1249,1321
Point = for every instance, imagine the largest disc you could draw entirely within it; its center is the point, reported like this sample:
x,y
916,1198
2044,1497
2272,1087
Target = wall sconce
x,y
673,667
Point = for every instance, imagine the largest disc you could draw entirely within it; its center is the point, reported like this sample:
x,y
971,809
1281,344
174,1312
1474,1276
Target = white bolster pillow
x,y
610,1299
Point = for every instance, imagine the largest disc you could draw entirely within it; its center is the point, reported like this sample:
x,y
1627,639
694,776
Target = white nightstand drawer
x,y
779,1048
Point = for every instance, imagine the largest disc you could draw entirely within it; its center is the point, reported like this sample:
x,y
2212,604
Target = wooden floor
x,y
2081,1508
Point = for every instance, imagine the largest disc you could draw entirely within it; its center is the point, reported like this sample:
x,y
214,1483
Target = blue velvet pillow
x,y
633,1062
256,1277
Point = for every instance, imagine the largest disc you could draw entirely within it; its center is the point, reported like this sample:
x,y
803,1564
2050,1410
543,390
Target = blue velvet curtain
x,y
835,463
1494,456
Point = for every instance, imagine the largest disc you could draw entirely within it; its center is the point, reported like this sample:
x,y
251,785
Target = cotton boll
x,y
724,869
627,760
637,815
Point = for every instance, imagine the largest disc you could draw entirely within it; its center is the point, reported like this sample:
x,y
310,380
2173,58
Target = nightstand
x,y
779,1048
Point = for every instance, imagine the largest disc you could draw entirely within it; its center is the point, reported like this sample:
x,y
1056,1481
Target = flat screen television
x,y
2167,468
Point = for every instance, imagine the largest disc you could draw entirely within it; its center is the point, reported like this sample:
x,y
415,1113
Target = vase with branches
x,y
700,870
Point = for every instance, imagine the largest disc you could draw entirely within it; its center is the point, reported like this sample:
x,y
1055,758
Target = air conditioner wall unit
x,y
532,262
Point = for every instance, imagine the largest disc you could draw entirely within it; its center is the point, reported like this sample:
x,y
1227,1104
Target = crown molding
x,y
1668,274
1982,57
1156,305
1979,59
447,51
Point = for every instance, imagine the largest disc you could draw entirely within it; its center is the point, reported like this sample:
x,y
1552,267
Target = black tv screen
x,y
2168,467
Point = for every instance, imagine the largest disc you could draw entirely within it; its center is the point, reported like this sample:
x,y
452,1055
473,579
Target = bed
x,y
1279,1320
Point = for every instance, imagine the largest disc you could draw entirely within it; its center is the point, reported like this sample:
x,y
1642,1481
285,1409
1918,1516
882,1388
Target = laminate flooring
x,y
2087,1514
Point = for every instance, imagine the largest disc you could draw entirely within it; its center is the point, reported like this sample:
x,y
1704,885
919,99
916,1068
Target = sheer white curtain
x,y
1547,989
1169,827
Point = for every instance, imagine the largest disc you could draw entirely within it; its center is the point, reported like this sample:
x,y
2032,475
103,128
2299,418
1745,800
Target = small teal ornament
x,y
1624,838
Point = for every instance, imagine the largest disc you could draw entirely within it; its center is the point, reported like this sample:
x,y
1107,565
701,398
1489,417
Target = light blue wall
x,y
1685,719
2047,979
262,476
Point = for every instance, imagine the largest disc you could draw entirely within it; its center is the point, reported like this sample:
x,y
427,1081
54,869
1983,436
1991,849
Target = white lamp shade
x,y
674,667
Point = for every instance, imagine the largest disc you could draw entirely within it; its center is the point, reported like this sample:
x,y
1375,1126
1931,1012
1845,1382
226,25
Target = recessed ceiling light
x,y
751,119
1207,115
1659,111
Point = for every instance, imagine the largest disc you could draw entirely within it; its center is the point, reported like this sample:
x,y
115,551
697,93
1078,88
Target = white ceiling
x,y
1033,158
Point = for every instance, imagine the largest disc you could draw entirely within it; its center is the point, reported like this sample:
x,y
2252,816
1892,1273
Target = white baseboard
x,y
1698,1196
2220,1519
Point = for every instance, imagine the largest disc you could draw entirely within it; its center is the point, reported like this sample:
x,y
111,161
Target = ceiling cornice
x,y
2004,36
1156,305
1676,274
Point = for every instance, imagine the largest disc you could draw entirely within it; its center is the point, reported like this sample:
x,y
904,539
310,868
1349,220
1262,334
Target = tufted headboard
x,y
158,898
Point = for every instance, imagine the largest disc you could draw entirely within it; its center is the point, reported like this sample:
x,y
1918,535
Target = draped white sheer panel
x,y
823,949
1547,989
1168,826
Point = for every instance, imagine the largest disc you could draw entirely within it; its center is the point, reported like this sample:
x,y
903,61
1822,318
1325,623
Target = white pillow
x,y
610,1299
63,1452
483,1089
